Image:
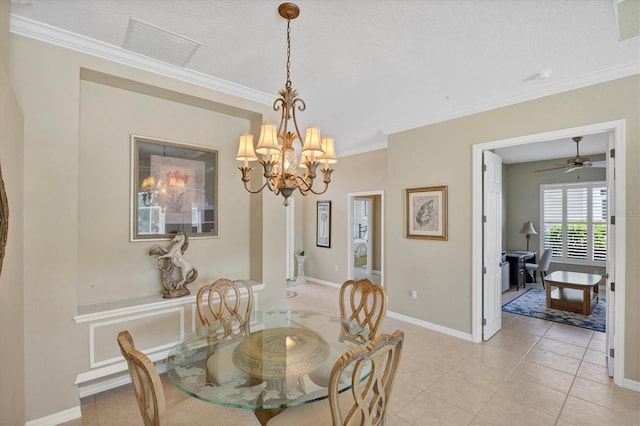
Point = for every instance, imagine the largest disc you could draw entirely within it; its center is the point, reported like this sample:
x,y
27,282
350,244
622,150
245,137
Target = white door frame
x,y
351,197
368,202
610,269
618,129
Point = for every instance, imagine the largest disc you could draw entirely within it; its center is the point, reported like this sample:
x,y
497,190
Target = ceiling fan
x,y
577,162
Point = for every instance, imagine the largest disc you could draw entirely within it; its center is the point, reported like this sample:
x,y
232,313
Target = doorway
x,y
615,267
365,239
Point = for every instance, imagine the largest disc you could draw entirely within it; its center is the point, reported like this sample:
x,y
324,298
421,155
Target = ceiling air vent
x,y
628,14
158,43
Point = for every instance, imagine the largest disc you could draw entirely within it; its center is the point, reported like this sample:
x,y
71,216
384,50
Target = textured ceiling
x,y
370,68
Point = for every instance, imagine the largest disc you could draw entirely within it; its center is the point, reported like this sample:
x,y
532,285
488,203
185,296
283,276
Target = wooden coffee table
x,y
572,291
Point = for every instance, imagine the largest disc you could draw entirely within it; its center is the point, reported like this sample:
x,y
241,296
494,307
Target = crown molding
x,y
67,39
49,34
589,79
363,149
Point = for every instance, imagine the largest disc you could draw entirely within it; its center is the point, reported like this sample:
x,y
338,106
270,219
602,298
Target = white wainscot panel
x,y
156,325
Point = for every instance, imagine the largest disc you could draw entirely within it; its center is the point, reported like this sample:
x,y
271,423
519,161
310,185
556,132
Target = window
x,y
574,222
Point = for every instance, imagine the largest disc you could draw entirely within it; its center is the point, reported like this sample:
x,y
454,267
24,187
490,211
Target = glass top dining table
x,y
285,361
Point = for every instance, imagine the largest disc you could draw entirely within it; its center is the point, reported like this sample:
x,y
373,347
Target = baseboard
x,y
431,326
410,320
111,382
322,282
630,384
57,418
98,386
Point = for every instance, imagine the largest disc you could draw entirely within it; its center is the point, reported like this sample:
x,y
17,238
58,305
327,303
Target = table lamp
x,y
528,229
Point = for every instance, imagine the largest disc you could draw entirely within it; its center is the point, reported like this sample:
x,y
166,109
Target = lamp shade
x,y
312,142
268,142
528,229
329,155
148,183
245,148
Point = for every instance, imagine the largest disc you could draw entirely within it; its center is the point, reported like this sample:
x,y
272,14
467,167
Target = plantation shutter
x,y
599,225
574,220
553,219
576,242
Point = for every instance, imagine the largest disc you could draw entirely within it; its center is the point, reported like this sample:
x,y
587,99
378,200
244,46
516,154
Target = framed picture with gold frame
x,y
426,210
174,188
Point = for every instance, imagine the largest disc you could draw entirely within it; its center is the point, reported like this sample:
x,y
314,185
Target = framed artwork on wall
x,y
323,224
174,188
427,212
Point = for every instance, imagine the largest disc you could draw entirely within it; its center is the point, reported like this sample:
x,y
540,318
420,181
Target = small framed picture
x,y
323,224
427,213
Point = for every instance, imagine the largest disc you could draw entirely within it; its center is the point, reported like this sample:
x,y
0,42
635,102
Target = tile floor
x,y
360,272
533,372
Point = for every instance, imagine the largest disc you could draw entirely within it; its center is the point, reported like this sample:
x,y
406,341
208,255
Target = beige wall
x,y
76,198
108,116
12,354
356,173
5,13
440,154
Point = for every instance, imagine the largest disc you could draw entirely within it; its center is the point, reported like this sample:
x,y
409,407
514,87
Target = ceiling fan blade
x,y
602,163
552,168
573,168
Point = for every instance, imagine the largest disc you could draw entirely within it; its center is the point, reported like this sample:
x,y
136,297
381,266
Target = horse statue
x,y
170,258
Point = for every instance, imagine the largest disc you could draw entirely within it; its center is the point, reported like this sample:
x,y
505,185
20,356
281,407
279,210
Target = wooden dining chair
x,y
366,402
362,303
149,393
225,306
362,307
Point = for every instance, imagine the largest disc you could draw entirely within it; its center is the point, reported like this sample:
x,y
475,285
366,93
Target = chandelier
x,y
280,161
163,194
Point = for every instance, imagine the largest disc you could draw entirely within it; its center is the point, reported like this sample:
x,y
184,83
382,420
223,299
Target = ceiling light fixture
x,y
280,162
542,75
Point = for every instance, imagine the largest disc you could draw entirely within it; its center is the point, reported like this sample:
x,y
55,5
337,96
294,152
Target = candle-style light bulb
x,y
289,342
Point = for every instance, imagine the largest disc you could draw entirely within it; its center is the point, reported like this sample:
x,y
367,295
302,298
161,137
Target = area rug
x,y
533,303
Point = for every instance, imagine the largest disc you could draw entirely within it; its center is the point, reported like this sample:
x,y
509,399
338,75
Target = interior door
x,y
610,275
492,245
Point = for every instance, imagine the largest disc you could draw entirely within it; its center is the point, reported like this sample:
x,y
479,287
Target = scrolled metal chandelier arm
x,y
281,161
246,171
326,179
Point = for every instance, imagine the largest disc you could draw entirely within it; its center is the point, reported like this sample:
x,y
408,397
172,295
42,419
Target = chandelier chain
x,y
288,84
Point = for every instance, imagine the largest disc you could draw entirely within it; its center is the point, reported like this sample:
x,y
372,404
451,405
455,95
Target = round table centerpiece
x,y
279,352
